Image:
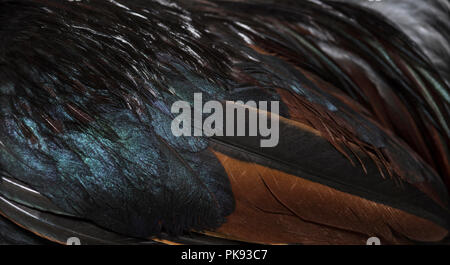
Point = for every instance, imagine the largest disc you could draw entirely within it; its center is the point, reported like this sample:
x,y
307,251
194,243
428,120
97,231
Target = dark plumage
x,y
86,89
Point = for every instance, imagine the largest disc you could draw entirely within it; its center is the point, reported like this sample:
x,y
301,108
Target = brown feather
x,y
284,208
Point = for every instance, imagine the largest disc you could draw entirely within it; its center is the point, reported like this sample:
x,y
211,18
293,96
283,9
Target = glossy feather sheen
x,y
86,89
13,234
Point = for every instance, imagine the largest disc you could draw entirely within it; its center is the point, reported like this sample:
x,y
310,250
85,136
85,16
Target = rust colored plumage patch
x,y
274,207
